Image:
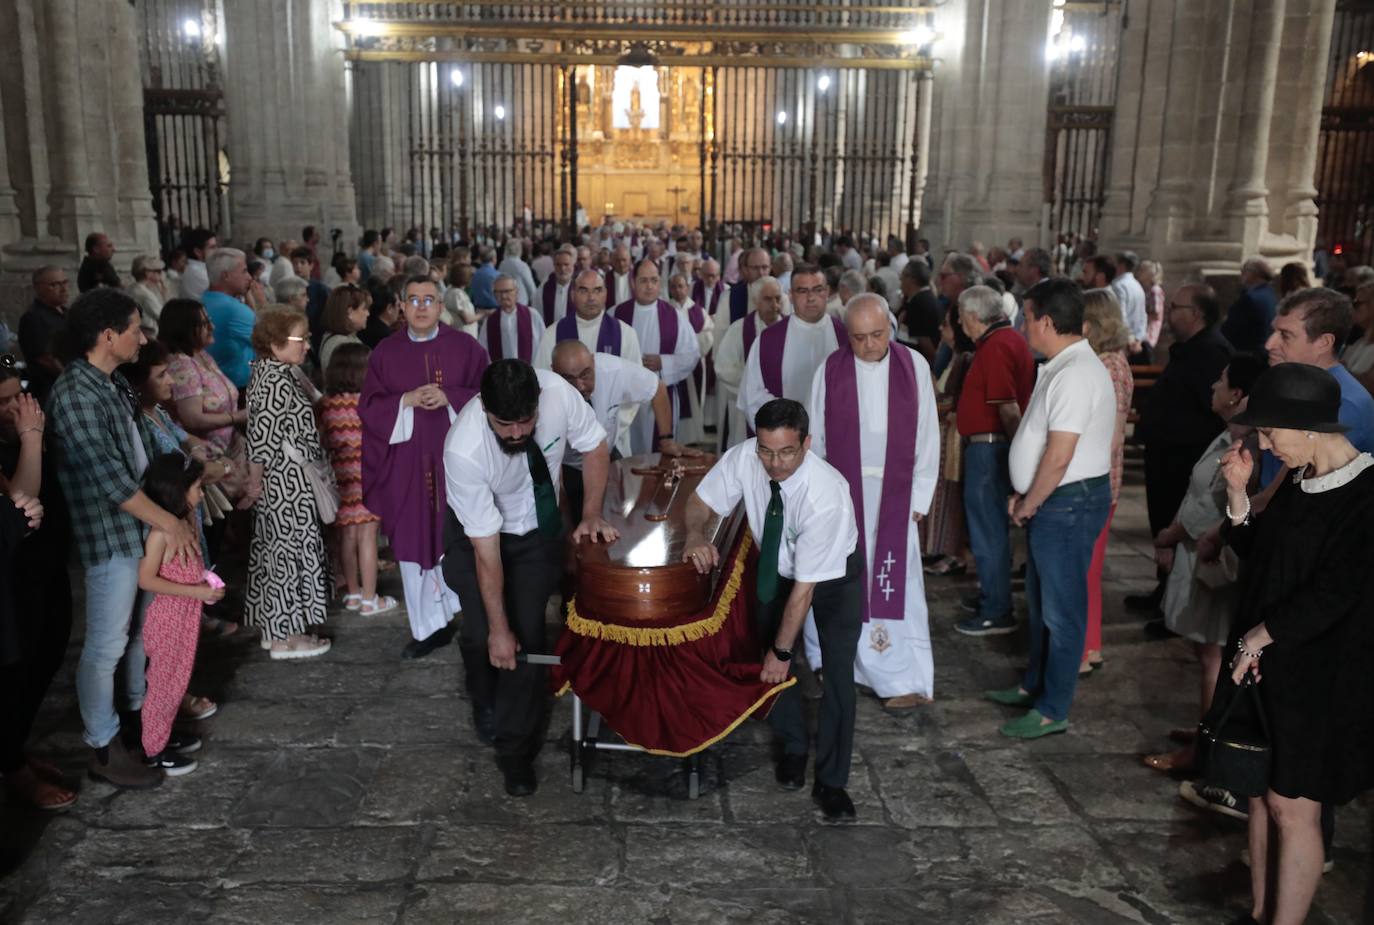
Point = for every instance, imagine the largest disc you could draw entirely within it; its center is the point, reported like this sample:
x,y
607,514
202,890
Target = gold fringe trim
x,y
714,739
666,635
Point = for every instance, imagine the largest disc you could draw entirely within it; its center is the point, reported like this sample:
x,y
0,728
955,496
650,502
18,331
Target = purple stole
x,y
524,334
549,289
886,598
607,338
667,335
699,295
771,343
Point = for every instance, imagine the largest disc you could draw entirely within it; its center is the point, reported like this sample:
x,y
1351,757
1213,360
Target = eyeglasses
x,y
814,290
787,454
501,292
297,340
417,301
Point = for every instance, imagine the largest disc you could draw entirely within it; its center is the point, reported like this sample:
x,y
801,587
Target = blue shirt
x,y
365,259
233,346
480,290
1357,413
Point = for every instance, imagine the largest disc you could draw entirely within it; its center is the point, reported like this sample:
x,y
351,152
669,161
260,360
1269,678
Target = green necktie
x,y
768,550
545,498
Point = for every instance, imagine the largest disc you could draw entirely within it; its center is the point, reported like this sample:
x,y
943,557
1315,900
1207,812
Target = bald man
x,y
874,419
608,383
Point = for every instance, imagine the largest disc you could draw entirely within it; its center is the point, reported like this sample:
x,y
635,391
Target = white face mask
x,y
269,254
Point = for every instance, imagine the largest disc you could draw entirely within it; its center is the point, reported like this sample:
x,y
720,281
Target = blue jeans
x,y
1060,538
114,641
987,484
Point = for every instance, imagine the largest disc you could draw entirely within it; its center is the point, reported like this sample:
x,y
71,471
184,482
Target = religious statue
x,y
636,111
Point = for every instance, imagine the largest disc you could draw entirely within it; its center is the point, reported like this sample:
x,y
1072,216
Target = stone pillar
x,y
1233,92
990,94
286,124
71,134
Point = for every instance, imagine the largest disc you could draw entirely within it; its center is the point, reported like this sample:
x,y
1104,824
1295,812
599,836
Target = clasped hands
x,y
429,397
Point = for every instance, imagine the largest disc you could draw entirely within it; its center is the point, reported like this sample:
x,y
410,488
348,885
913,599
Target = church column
x,y
288,159
1247,199
72,201
1293,188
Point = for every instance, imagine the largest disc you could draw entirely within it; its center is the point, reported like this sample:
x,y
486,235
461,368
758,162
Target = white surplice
x,y
729,363
894,655
677,365
805,349
693,429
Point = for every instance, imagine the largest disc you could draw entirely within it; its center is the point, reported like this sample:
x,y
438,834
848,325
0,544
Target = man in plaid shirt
x,y
101,455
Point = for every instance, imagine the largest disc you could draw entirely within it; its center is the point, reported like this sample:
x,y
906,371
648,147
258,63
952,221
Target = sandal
x,y
197,708
39,793
377,606
352,602
214,626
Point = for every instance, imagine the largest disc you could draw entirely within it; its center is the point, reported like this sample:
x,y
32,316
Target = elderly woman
x,y
288,568
148,289
345,314
1108,336
293,292
1199,598
1302,626
205,403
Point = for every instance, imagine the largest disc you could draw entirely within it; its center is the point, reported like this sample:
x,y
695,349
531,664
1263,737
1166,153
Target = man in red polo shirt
x,y
996,389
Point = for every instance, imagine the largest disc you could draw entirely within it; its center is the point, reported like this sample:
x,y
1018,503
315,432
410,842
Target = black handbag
x,y
1234,747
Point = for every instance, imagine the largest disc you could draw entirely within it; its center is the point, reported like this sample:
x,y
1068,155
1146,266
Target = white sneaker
x,y
299,647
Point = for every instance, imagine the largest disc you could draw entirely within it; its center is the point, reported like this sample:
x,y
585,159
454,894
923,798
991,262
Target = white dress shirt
x,y
618,383
818,528
195,279
1073,394
1131,295
491,491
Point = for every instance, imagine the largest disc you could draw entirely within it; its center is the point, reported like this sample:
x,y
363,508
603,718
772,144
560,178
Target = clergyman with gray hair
x,y
232,347
1251,316
996,389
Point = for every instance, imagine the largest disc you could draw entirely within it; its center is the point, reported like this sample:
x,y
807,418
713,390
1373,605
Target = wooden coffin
x,y
641,576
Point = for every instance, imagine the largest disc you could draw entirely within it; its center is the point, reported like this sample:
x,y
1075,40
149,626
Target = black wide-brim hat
x,y
1294,396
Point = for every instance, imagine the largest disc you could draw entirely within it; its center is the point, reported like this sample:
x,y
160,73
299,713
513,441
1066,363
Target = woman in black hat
x,y
1304,626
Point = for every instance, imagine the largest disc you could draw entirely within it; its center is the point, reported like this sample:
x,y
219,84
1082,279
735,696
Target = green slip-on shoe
x,y
1011,697
1033,726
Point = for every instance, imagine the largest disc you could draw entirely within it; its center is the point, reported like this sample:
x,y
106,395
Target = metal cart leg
x,y
694,776
579,780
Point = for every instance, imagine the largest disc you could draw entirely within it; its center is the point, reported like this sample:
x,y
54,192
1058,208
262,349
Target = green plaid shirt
x,y
92,418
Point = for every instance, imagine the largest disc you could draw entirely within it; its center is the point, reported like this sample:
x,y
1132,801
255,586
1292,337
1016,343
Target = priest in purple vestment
x,y
417,381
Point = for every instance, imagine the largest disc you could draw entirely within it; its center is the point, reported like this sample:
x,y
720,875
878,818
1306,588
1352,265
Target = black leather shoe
x,y
833,801
419,648
519,775
484,724
791,772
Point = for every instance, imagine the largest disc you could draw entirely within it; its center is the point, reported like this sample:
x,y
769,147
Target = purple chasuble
x,y
403,483
667,335
607,337
886,598
548,297
524,335
771,344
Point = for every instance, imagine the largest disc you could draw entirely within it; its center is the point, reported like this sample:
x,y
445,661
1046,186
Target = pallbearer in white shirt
x,y
784,360
555,295
801,516
874,419
607,382
670,349
691,426
504,544
731,351
513,330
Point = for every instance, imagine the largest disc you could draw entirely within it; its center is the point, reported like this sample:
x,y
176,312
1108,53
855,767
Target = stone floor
x,y
351,789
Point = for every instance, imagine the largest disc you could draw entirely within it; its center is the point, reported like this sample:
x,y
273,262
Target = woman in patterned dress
x,y
288,568
205,402
944,535
1108,336
343,434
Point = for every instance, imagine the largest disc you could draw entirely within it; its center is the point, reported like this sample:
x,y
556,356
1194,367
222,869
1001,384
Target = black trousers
x,y
43,596
838,608
532,564
1167,470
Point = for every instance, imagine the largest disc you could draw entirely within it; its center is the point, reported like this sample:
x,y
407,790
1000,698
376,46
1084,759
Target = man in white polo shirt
x,y
1059,462
607,382
503,539
802,518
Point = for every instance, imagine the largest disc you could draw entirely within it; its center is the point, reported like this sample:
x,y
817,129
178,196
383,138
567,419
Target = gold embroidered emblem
x,y
878,638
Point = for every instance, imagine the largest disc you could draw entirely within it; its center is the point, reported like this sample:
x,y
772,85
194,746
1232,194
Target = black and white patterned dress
x,y
288,568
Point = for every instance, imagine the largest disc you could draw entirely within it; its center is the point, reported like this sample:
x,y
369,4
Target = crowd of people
x,y
885,417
